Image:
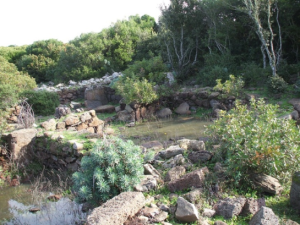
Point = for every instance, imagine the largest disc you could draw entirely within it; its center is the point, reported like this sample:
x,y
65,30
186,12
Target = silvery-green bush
x,y
112,167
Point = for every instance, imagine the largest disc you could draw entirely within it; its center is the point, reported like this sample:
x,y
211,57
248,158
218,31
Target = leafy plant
x,y
256,141
113,166
233,86
276,84
135,90
42,102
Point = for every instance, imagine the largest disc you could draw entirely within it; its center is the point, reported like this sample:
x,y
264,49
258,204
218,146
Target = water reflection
x,y
61,212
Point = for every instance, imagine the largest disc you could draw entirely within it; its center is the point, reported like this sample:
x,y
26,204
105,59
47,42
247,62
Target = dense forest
x,y
199,41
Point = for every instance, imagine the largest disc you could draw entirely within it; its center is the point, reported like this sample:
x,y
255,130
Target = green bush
x,y
253,74
42,102
152,69
276,84
113,166
233,86
256,141
135,90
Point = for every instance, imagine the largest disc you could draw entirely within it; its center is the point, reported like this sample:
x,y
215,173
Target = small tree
x,y
26,117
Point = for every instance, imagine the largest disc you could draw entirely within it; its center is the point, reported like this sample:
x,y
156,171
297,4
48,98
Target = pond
x,y
166,129
15,203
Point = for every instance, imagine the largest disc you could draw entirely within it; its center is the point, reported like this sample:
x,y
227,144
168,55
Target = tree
x,y
259,10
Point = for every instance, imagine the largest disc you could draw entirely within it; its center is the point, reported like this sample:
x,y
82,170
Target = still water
x,y
15,203
163,130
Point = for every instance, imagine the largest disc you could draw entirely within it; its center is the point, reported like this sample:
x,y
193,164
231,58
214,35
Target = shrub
x,y
233,86
253,74
276,84
152,69
113,166
135,90
256,141
42,102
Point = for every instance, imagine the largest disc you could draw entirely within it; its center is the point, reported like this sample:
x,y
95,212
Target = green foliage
x,y
134,90
113,166
13,53
152,69
233,86
254,75
277,84
12,82
256,141
42,102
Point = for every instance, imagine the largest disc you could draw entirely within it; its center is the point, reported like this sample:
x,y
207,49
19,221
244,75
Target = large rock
x,y
150,170
105,109
177,160
295,191
253,205
200,156
49,125
194,196
95,97
171,152
85,117
265,216
192,179
117,209
194,145
125,116
186,211
266,183
96,122
148,183
165,112
72,120
230,207
175,173
19,143
183,109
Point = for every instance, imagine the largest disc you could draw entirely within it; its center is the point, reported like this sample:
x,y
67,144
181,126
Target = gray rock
x,y
230,207
85,117
150,170
193,196
183,109
161,216
175,173
253,205
72,120
265,216
124,116
200,156
295,115
148,183
186,211
219,222
208,213
105,109
178,160
62,111
171,152
165,112
266,183
156,145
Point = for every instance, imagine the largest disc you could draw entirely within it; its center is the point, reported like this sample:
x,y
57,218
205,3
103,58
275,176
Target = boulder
x,y
117,210
60,125
49,125
150,170
19,142
253,205
194,145
265,216
192,179
85,117
183,109
200,156
266,183
175,173
105,109
295,191
186,211
194,195
96,122
208,213
295,115
219,222
171,152
161,216
230,207
165,112
95,97
178,160
72,120
148,183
